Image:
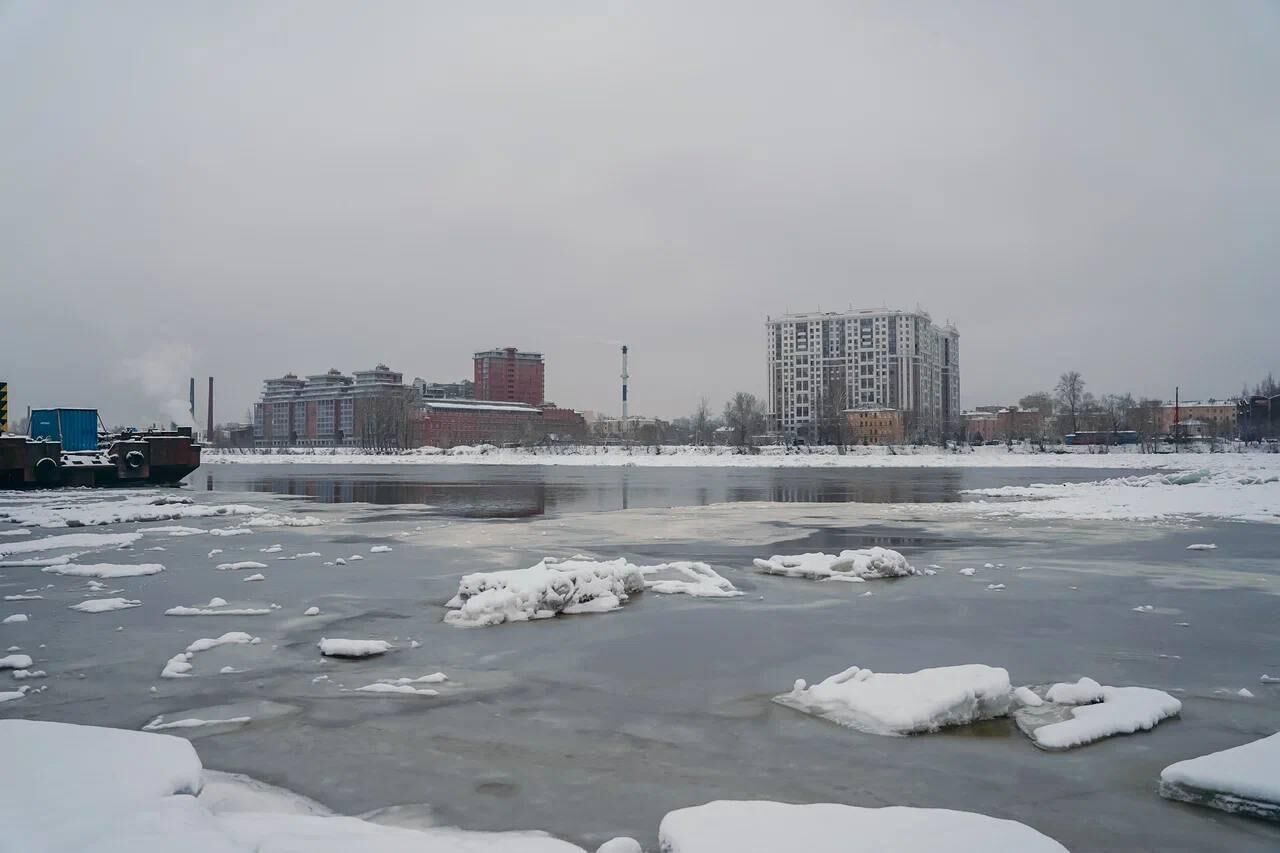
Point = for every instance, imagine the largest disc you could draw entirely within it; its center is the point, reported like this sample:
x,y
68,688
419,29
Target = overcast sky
x,y
245,189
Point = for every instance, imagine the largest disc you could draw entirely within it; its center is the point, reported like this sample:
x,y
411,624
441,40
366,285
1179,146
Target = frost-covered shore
x,y
693,457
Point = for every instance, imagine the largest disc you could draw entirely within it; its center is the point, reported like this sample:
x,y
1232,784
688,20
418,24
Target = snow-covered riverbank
x,y
765,457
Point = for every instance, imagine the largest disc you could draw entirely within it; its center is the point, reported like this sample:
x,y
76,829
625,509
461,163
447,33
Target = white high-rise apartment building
x,y
821,364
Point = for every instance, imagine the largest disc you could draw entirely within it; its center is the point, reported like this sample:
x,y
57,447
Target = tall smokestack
x,y
209,434
625,377
191,404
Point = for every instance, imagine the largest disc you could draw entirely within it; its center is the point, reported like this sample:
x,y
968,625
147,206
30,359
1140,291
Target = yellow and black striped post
x,y
4,406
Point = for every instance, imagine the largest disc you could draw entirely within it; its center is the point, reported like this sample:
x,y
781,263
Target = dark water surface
x,y
524,491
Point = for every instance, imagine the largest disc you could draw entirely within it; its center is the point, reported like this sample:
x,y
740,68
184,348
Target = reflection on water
x,y
485,491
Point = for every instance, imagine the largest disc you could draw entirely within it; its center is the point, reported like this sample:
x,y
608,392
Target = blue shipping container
x,y
77,429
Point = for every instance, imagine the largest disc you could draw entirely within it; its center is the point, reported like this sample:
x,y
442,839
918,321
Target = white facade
x,y
820,364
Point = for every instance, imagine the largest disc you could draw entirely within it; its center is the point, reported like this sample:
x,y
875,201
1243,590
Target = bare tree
x,y
701,422
832,422
1069,394
1041,401
744,415
386,422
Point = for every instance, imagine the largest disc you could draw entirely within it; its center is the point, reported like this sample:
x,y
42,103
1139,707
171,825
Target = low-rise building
x,y
463,389
875,425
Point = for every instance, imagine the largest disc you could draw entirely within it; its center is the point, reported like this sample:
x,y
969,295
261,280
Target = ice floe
x,y
1244,779
541,591
856,565
403,689
1202,547
105,605
229,638
79,513
1084,712
216,607
105,570
15,662
379,549
969,572
271,519
768,827
257,577
341,648
311,611
240,566
14,619
9,696
89,541
160,724
24,674
890,703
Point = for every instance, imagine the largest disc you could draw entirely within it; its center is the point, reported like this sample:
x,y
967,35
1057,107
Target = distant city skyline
x,y
240,190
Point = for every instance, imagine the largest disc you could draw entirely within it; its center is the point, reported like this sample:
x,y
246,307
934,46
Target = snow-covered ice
x,y
969,572
379,549
9,696
1081,713
905,703
995,586
86,541
1237,486
243,564
1244,693
769,827
1202,547
855,565
73,511
160,724
119,791
271,549
105,570
576,585
15,662
311,611
216,607
14,619
688,578
258,577
353,648
404,689
23,597
105,605
24,674
1244,779
229,638
270,519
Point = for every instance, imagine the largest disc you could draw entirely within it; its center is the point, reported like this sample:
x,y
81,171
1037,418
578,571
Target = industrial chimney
x,y
208,437
191,403
625,376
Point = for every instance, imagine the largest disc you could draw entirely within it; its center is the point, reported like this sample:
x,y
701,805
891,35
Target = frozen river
x,y
597,725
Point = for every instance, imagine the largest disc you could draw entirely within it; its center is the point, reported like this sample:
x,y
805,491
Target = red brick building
x,y
510,376
449,423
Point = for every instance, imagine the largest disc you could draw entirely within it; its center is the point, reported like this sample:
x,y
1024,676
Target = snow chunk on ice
x,y
906,703
353,648
10,695
1095,712
15,662
339,562
243,564
760,826
178,666
105,570
311,611
23,674
995,586
230,531
104,605
14,619
621,844
257,577
1084,691
22,597
271,549
217,610
856,565
1028,697
1202,547
968,572
688,578
1243,779
543,590
379,549
1245,692
433,678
